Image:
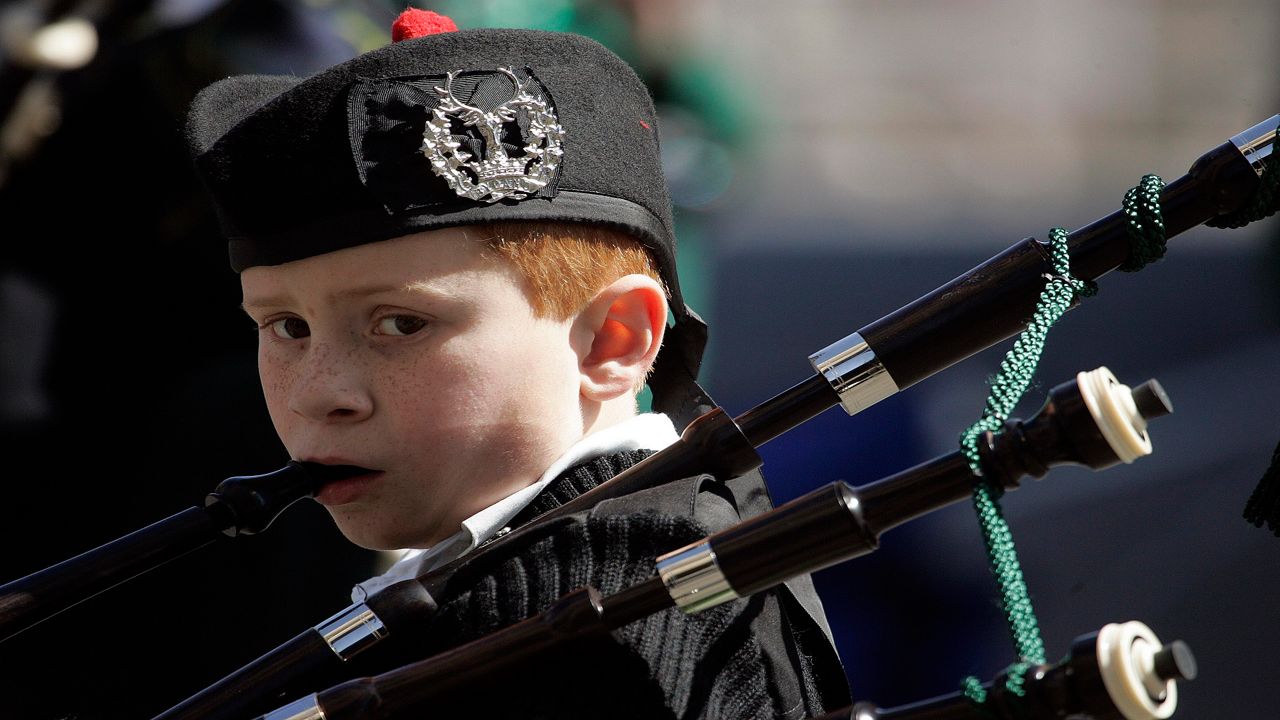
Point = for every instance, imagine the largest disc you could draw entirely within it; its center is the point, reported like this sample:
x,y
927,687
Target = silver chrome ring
x,y
1258,142
855,373
352,631
694,579
307,708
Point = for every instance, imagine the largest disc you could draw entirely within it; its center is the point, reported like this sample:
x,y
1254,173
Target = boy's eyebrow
x,y
281,300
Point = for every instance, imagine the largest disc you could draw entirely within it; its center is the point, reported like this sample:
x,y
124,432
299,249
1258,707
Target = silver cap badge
x,y
496,174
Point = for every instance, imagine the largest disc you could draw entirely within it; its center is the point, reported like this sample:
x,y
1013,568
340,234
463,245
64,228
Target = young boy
x,y
458,251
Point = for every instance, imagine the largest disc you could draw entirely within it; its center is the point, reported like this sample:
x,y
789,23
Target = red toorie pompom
x,y
415,23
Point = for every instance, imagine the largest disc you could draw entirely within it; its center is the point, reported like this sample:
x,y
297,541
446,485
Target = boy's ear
x,y
621,330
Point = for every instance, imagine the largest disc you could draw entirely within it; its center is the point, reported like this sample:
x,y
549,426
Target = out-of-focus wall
x,y
1007,115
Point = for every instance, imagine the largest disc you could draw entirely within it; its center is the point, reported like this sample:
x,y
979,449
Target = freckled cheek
x,y
457,389
277,381
433,382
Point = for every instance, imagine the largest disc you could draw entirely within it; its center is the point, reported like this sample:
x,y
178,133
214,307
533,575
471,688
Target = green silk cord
x,y
1007,388
1015,682
1144,223
1145,230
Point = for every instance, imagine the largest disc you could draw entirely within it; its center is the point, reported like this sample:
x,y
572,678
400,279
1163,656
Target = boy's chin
x,y
371,535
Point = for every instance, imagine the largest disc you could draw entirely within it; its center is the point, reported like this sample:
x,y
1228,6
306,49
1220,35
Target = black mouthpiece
x,y
250,504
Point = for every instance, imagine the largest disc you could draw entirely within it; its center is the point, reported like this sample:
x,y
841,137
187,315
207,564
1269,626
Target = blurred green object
x,y
361,31
600,21
538,14
705,87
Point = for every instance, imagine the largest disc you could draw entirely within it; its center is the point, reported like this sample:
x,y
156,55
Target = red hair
x,y
567,264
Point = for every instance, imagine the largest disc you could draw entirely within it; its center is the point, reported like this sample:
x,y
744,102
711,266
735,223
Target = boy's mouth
x,y
339,482
341,492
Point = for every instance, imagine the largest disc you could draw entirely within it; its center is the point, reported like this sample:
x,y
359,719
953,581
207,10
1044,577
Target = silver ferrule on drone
x,y
1258,142
352,631
694,579
307,708
855,373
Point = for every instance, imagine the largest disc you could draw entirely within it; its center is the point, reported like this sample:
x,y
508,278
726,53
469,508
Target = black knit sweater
x,y
709,665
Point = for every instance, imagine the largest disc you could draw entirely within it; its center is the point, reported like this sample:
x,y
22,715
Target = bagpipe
x,y
1122,671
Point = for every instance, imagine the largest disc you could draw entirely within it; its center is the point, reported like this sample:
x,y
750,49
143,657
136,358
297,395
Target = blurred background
x,y
830,161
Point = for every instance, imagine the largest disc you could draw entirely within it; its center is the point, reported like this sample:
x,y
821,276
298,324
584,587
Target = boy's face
x,y
419,358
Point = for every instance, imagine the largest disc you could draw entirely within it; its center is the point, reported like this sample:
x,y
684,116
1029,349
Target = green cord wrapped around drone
x,y
1147,242
1007,388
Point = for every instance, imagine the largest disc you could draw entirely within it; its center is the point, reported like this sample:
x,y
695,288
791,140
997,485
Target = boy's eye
x,y
290,328
400,325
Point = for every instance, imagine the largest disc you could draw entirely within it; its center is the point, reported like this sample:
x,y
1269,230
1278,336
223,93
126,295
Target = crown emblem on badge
x,y
494,173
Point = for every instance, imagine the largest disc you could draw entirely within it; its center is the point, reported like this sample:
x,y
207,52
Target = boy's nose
x,y
330,388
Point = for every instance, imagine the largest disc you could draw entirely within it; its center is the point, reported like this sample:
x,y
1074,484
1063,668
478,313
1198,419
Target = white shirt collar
x,y
650,431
